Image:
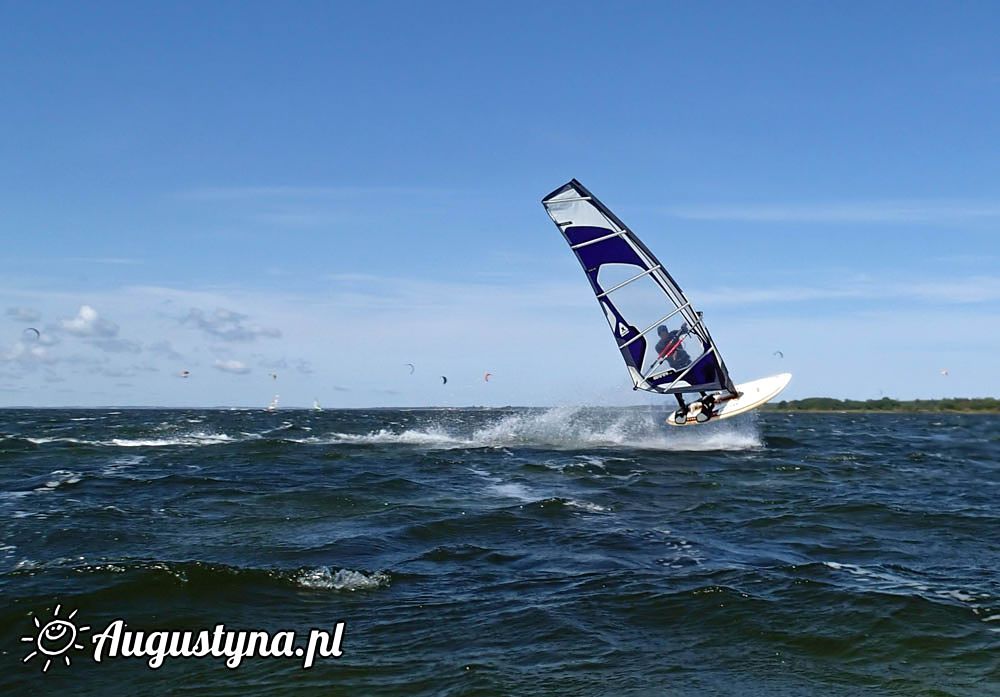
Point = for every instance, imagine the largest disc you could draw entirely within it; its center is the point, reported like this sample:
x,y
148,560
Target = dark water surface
x,y
509,552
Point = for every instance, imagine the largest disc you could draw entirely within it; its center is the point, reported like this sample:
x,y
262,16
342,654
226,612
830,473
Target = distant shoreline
x,y
886,405
813,405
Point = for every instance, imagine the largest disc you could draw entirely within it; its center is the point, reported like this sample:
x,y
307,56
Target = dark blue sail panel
x,y
663,341
614,250
634,352
633,346
701,376
580,233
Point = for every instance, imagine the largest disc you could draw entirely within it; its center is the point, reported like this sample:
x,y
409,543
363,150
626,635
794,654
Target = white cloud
x,y
115,261
290,206
166,349
748,295
975,289
235,193
355,277
24,314
280,364
134,370
117,345
231,366
228,325
88,323
894,212
304,367
544,340
969,290
27,355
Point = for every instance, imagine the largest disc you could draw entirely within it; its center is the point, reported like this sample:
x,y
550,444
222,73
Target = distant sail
x,y
316,406
273,406
665,344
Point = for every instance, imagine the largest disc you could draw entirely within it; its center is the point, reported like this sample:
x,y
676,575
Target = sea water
x,y
562,551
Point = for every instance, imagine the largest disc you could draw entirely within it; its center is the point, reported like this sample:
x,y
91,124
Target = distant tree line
x,y
978,404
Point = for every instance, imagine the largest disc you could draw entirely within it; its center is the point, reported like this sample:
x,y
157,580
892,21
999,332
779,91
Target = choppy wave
x,y
799,555
881,580
204,574
587,506
195,438
55,439
60,478
426,437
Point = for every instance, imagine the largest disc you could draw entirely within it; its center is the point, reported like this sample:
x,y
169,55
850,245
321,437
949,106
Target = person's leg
x,y
680,416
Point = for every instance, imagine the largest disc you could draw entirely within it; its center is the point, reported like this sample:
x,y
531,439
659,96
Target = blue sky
x,y
326,191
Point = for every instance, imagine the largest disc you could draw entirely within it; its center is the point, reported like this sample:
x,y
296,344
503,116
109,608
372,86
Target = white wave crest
x,y
44,440
566,428
514,490
59,478
342,579
428,437
884,581
197,438
587,506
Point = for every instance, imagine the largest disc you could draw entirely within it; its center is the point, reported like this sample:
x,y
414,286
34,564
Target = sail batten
x,y
595,241
609,291
637,296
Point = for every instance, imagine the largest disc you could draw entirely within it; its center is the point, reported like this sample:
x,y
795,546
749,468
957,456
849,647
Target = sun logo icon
x,y
55,638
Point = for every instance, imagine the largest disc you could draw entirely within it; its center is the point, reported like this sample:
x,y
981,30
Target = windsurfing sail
x,y
662,338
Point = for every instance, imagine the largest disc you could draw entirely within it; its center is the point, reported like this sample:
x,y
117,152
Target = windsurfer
x,y
669,346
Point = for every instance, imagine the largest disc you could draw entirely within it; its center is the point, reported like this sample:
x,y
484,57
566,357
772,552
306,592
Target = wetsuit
x,y
669,347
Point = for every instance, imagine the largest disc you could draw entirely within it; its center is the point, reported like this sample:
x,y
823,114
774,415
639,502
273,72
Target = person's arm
x,y
669,349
